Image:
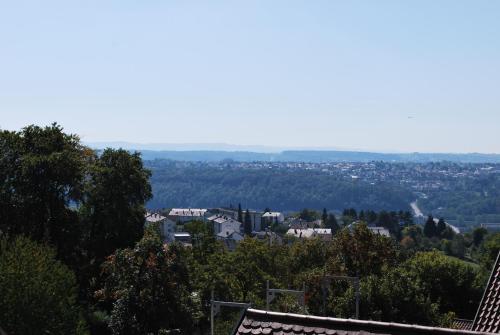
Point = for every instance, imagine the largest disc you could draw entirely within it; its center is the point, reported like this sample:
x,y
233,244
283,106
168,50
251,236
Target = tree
x,y
324,216
247,225
42,174
332,223
441,227
38,293
148,287
113,209
240,213
308,215
430,227
478,235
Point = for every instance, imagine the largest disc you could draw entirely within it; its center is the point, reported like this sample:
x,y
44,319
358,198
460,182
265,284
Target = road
x,y
416,210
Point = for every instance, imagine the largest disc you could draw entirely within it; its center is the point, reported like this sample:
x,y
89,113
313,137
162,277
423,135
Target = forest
x,y
76,257
200,186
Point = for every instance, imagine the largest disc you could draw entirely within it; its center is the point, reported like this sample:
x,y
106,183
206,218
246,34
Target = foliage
x,y
42,175
38,293
148,287
201,185
113,209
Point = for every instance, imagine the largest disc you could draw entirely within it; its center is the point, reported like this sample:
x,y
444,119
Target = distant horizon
x,y
227,147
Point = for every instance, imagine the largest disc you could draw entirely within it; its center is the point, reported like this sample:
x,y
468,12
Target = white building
x,y
255,216
223,223
273,217
187,214
323,233
167,226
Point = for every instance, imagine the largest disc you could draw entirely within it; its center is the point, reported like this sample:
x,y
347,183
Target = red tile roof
x,y
262,322
488,314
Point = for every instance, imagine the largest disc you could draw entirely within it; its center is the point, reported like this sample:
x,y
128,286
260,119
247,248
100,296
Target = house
x,y
298,223
230,239
380,231
375,230
183,215
184,238
167,226
273,217
255,216
323,233
272,237
264,322
223,223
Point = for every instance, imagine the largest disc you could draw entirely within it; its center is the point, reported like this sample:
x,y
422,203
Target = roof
x,y
271,214
222,219
309,232
462,324
154,217
188,212
263,322
488,314
380,231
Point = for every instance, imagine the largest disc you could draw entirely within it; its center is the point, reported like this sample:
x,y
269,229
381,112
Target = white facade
x,y
167,226
272,217
223,223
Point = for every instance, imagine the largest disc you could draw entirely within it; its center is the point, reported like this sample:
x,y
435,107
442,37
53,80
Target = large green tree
x,y
41,181
113,209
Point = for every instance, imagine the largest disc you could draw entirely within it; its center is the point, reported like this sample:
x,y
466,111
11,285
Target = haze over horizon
x,y
246,148
385,76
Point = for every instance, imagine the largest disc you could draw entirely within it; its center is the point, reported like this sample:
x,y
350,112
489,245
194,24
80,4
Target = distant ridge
x,y
182,152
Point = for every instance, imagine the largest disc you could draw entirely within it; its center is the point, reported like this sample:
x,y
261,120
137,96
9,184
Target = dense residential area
x,y
81,243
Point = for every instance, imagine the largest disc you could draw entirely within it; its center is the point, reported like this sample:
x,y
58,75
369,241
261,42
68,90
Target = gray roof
x,y
263,322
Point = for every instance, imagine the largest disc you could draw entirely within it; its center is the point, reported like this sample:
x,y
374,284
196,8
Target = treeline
x,y
205,186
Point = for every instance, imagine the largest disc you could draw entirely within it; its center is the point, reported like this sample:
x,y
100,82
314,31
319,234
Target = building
x,y
323,233
270,236
380,231
230,239
375,230
273,217
183,215
167,226
223,223
184,238
255,216
264,322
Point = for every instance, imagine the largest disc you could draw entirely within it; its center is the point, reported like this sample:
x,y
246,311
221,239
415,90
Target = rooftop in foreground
x,y
263,322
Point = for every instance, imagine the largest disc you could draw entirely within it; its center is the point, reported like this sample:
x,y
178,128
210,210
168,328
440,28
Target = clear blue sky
x,y
376,75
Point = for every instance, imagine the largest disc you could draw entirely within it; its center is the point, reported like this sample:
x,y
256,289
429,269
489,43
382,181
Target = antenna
x,y
215,306
271,295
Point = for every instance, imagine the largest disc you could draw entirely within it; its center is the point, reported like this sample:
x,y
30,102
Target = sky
x,y
392,76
